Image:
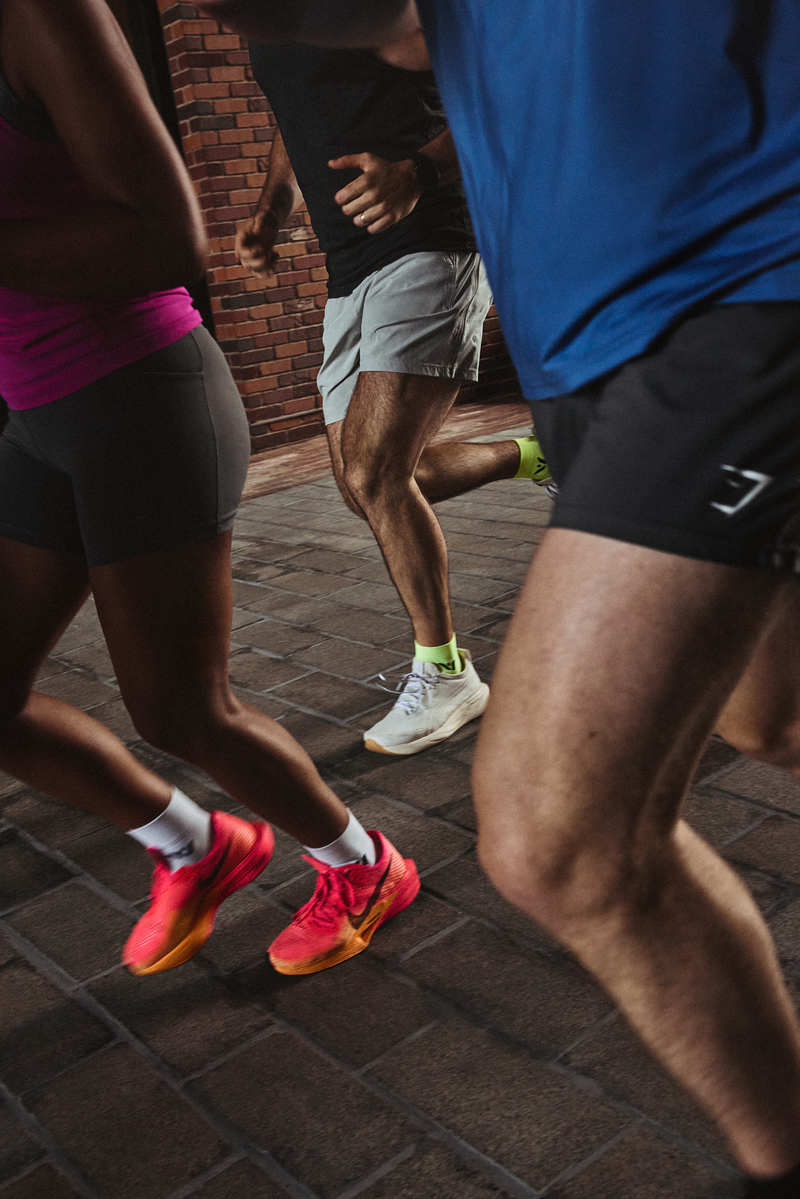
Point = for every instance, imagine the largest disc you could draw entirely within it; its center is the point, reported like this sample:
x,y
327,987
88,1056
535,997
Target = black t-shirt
x,y
333,102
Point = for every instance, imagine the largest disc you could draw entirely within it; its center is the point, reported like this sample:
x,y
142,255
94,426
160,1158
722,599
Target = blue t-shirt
x,y
624,160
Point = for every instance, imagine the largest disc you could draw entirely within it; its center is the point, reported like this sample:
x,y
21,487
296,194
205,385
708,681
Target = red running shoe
x,y
184,902
348,905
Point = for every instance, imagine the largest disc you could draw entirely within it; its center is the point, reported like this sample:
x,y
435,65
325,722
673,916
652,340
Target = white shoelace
x,y
414,689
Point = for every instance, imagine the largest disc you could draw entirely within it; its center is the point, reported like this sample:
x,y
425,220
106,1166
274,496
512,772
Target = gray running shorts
x,y
149,457
421,315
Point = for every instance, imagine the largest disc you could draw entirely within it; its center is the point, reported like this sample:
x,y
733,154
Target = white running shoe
x,y
430,708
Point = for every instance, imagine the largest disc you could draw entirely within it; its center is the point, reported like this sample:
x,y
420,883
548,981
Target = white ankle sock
x,y
181,833
354,845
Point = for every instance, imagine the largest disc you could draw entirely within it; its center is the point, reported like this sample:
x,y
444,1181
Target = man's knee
x,y
563,875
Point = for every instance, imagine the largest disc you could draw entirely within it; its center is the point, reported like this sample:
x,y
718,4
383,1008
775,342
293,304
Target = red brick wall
x,y
273,340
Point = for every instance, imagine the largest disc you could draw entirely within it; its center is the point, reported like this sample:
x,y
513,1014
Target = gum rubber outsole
x,y
248,869
454,722
360,937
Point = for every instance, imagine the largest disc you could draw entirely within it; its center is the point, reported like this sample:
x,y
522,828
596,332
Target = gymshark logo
x,y
742,486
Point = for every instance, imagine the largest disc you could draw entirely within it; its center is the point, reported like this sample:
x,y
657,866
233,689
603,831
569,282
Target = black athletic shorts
x,y
692,448
147,458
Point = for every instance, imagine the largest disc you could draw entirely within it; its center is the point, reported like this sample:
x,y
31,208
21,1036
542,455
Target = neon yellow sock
x,y
532,464
446,657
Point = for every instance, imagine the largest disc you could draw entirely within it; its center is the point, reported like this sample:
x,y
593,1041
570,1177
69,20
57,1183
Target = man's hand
x,y
255,246
383,193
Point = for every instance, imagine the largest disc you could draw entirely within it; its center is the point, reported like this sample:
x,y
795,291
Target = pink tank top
x,y
51,347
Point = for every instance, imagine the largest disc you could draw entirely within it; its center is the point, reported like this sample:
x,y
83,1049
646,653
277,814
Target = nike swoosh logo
x,y
376,915
365,914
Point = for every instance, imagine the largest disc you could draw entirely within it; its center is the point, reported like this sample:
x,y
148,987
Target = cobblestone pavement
x,y
463,1056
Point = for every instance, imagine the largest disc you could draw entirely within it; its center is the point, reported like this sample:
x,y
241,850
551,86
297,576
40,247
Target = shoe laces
x,y
413,690
333,895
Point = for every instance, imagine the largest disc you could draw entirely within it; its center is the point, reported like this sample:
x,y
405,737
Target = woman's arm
x,y
143,230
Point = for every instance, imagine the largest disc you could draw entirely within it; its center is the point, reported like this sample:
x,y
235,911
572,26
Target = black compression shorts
x,y
149,457
692,448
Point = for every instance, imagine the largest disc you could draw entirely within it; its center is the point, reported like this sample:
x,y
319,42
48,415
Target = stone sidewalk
x,y
463,1056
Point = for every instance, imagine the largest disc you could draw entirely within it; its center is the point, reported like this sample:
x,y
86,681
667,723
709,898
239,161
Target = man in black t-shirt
x,y
365,143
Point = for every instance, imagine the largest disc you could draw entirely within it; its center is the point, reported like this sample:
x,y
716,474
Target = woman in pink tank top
x,y
121,466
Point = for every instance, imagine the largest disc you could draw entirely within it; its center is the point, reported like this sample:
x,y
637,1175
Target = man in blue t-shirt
x,y
633,172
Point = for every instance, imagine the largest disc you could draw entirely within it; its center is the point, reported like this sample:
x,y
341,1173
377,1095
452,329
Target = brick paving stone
x,y
356,662
370,628
64,1032
250,570
768,784
644,1165
298,610
785,928
107,1110
116,860
496,1097
259,672
268,704
7,950
303,1109
275,637
245,925
329,560
309,582
768,892
462,812
49,668
116,717
83,629
94,658
74,687
262,548
495,630
463,562
773,846
75,928
375,597
184,1015
427,917
464,885
9,785
381,1010
435,1173
245,593
718,816
241,1181
324,741
717,756
542,1002
325,693
45,1182
436,783
24,872
241,618
427,841
17,1149
49,820
614,1058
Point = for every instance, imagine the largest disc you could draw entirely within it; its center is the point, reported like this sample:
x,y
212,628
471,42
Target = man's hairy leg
x,y
762,716
578,784
390,419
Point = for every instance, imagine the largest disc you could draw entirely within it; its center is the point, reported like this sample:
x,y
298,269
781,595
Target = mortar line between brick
x,y
461,1148
78,874
41,1135
191,1188
357,1188
225,1129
